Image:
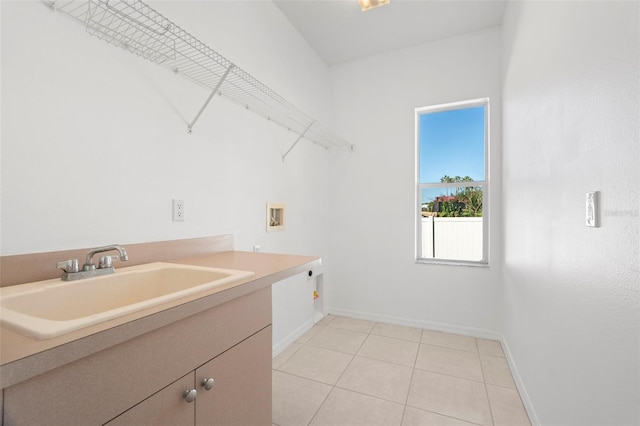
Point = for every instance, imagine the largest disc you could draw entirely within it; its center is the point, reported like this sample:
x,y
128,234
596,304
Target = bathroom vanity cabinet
x,y
142,380
237,397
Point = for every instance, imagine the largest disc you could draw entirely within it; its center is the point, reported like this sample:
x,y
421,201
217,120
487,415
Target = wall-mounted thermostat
x,y
592,209
275,217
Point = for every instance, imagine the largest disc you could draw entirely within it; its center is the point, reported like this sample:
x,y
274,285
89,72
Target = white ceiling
x,y
340,32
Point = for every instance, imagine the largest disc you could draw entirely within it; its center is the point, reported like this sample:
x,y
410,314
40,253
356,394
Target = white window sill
x,y
475,264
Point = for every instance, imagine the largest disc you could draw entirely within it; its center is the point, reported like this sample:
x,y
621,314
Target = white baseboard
x,y
291,337
317,316
524,396
438,326
448,328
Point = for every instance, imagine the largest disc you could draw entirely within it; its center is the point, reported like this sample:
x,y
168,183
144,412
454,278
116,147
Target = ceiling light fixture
x,y
370,4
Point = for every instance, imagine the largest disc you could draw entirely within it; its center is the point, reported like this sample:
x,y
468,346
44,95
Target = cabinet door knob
x,y
207,383
190,395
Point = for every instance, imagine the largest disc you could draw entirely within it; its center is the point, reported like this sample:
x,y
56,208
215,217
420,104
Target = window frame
x,y
484,262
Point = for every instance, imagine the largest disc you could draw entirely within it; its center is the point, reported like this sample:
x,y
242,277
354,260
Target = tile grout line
x,y
303,344
320,406
413,372
484,383
369,334
374,359
328,393
334,385
305,378
379,398
353,356
287,358
411,382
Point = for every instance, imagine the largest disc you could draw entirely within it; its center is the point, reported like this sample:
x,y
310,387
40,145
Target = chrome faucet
x,y
89,269
88,264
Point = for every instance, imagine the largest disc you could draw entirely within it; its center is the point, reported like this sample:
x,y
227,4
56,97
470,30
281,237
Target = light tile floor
x,y
347,372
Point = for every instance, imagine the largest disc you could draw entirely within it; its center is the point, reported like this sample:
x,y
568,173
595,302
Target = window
x,y
452,188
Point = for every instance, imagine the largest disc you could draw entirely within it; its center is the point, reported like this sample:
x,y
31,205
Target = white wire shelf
x,y
138,28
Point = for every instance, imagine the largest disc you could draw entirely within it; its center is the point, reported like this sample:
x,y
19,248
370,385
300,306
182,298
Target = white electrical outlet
x,y
178,210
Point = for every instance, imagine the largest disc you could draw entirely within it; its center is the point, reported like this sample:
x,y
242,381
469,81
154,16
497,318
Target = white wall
x,y
95,143
571,126
373,270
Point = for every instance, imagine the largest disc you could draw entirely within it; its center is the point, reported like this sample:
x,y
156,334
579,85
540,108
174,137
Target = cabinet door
x,y
241,393
166,407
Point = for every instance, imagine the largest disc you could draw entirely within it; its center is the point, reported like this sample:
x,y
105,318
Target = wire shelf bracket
x,y
206,103
297,140
137,28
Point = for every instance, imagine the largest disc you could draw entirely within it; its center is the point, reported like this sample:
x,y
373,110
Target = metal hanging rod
x,y
138,28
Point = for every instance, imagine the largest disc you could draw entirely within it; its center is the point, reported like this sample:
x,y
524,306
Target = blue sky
x,y
452,143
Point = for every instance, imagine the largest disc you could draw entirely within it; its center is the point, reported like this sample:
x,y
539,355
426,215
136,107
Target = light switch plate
x,y
592,218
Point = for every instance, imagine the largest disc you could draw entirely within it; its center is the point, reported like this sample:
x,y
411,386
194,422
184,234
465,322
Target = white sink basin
x,y
50,308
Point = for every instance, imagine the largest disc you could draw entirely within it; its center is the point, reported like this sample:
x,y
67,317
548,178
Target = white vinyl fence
x,y
457,238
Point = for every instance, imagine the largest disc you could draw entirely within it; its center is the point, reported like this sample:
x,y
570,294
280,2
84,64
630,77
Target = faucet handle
x,y
69,266
106,261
